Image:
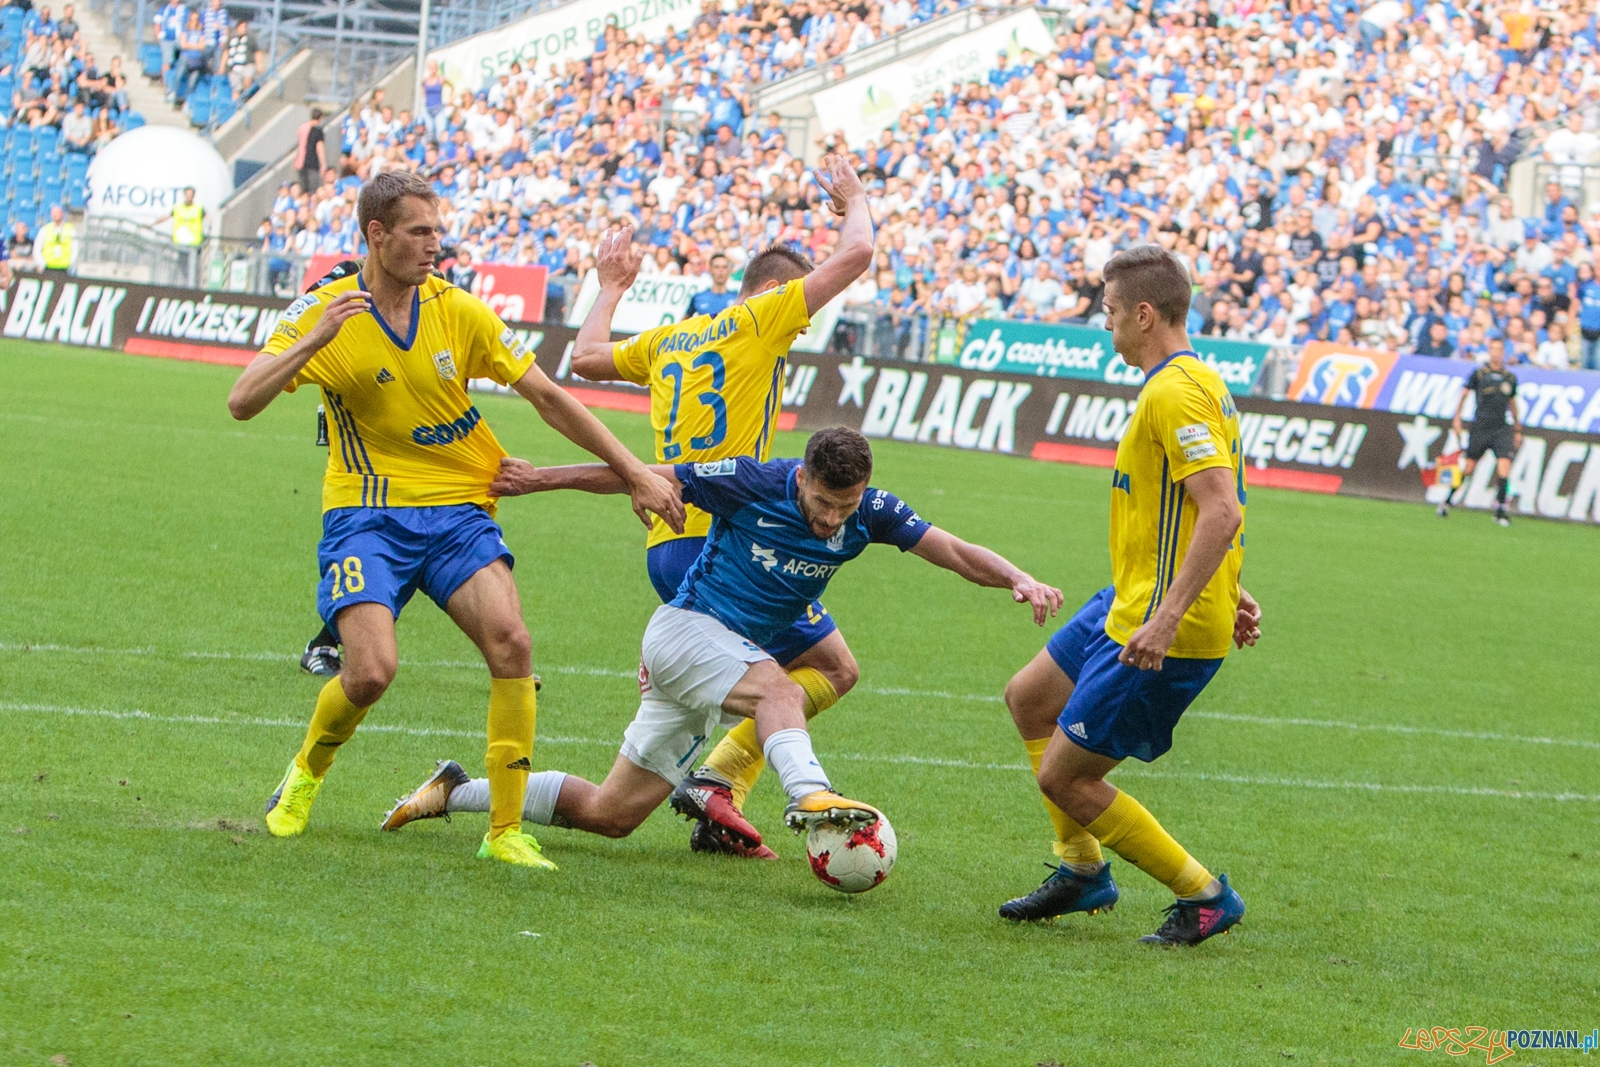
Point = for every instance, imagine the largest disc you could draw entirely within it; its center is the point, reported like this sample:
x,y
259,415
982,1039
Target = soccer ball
x,y
852,861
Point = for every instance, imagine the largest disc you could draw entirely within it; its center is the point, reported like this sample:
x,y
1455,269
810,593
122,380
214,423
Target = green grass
x,y
158,558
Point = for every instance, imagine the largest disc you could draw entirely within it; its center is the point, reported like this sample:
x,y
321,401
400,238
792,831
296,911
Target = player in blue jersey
x,y
781,531
717,299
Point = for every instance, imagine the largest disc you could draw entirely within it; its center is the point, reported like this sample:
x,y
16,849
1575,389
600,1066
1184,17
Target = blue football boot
x,y
1191,922
1065,892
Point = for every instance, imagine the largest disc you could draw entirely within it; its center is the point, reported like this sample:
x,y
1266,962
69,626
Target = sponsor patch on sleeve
x,y
301,305
1204,450
517,348
1188,435
722,468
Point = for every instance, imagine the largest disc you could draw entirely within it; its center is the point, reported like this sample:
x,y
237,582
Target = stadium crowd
x,y
1327,172
49,78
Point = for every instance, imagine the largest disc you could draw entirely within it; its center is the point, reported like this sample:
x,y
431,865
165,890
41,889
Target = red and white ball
x,y
852,861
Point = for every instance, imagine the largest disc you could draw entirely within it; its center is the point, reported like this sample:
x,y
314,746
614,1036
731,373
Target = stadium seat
x,y
22,166
11,22
150,59
21,141
132,120
47,140
52,192
200,108
77,167
77,194
23,191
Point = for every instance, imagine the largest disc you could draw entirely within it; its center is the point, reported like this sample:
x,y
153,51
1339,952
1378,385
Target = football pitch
x,y
1402,779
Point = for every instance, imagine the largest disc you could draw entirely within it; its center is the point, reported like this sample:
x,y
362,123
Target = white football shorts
x,y
689,663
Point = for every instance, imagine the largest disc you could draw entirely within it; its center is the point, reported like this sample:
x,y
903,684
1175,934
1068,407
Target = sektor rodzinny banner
x,y
1050,351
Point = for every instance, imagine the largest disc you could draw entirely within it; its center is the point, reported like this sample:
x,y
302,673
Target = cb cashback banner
x,y
1049,351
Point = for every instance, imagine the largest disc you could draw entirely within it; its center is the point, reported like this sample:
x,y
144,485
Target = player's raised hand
x,y
1046,599
516,477
617,259
340,309
840,181
653,493
1247,622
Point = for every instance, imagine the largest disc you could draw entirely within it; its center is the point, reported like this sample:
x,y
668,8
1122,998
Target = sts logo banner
x,y
1339,376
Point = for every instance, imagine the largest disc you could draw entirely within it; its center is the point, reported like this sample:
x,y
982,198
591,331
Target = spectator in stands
x,y
77,130
309,159
191,59
215,22
169,23
245,59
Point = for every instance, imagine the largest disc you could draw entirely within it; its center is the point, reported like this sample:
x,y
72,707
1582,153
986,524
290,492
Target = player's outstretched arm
x,y
650,491
1217,499
518,477
617,264
985,567
268,375
853,254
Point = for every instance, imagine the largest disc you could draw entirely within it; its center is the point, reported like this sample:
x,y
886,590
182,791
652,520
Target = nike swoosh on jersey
x,y
769,525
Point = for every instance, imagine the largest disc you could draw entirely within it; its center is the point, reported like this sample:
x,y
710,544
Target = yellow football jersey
x,y
1185,422
715,384
404,432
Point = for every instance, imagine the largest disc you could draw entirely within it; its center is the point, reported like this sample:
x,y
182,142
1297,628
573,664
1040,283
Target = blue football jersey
x,y
705,302
761,565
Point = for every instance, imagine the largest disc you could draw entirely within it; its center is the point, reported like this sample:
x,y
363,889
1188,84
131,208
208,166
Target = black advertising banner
x,y
1309,447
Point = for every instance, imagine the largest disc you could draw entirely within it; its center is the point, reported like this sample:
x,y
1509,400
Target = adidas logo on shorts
x,y
1077,730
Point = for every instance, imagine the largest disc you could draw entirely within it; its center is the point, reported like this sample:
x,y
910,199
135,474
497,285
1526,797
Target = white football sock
x,y
469,796
544,789
538,803
789,753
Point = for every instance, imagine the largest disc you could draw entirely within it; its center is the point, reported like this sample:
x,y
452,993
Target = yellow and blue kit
x,y
716,386
405,499
1185,422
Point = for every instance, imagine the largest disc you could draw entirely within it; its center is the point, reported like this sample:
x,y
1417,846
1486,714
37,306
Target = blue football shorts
x,y
384,555
669,561
1116,710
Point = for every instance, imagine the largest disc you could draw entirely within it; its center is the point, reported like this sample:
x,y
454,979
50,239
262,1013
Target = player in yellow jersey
x,y
716,384
406,499
1114,681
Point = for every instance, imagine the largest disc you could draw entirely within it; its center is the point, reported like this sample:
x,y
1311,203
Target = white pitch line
x,y
919,761
1334,724
889,691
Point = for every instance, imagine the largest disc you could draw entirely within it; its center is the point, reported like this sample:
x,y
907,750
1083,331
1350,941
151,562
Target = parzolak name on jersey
x,y
718,329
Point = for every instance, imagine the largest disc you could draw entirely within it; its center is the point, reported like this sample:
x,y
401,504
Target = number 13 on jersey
x,y
672,449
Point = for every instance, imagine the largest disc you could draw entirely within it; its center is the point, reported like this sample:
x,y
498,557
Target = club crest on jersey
x,y
836,542
445,363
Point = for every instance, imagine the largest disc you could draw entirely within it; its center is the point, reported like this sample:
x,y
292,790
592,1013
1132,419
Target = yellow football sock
x,y
1133,833
738,757
1073,843
333,723
512,710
